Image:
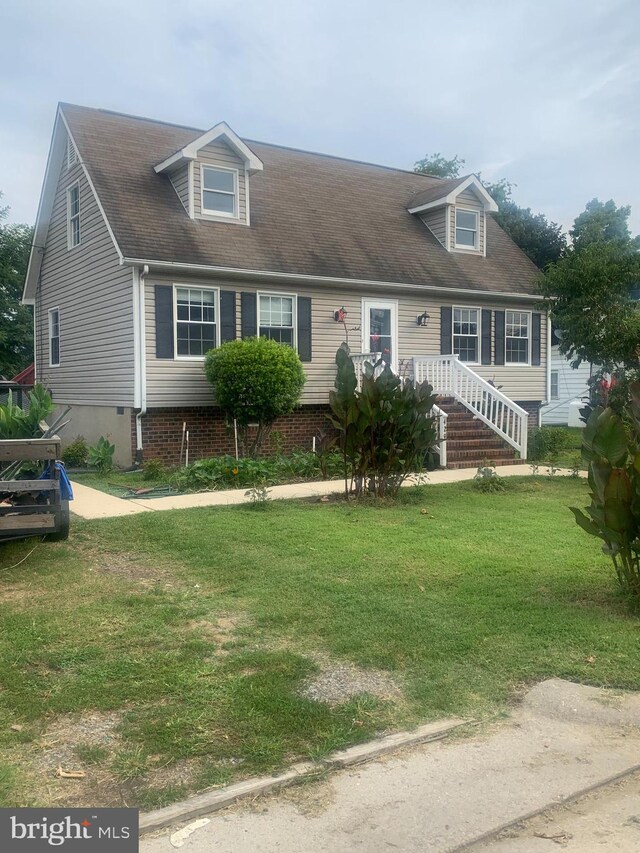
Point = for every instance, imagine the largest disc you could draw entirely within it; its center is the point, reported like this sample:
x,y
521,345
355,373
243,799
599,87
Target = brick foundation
x,y
209,434
533,408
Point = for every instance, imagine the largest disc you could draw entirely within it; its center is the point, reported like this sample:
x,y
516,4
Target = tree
x,y
539,239
255,380
16,321
439,166
603,223
588,294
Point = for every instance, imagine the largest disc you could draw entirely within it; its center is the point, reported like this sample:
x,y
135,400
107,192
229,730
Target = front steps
x,y
470,442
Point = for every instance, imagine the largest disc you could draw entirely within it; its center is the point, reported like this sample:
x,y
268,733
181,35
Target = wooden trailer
x,y
31,507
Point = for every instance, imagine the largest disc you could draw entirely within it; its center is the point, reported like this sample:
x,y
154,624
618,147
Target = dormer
x,y
211,175
455,212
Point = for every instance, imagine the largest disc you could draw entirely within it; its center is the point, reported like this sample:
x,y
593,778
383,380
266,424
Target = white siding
x,y
95,297
182,383
180,181
572,385
436,222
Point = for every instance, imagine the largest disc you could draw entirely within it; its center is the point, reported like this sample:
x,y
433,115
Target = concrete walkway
x,y
561,741
92,503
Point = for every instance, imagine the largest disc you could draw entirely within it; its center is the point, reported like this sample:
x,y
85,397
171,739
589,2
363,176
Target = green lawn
x,y
187,635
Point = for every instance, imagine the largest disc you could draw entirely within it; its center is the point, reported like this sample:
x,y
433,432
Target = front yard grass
x,y
167,652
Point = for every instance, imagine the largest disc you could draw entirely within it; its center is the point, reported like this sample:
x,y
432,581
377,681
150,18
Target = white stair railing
x,y
450,377
359,361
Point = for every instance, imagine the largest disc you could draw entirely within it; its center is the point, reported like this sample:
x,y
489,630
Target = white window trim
x,y
294,318
557,395
529,314
476,244
70,244
53,363
215,214
367,303
455,308
191,286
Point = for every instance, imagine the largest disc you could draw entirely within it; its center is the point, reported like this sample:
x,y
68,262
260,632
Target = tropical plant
x,y
100,455
612,448
385,428
255,381
16,422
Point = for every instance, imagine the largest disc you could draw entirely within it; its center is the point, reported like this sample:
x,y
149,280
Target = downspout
x,y
548,401
141,362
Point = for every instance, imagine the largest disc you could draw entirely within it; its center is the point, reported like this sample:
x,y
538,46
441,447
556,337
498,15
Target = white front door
x,y
380,329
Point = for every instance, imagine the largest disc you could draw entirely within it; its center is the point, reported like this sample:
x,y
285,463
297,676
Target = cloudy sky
x,y
543,92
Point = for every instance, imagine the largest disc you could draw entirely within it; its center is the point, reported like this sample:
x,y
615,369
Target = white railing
x,y
450,377
359,361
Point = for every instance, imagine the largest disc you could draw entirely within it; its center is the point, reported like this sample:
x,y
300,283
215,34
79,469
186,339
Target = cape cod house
x,y
154,243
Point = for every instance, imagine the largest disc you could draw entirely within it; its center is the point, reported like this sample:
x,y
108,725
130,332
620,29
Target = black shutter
x,y
535,339
446,328
499,324
486,336
227,315
304,328
164,321
249,318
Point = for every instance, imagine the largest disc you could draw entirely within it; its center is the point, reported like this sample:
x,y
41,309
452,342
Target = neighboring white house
x,y
567,383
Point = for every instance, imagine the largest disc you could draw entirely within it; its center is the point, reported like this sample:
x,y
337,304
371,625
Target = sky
x,y
545,93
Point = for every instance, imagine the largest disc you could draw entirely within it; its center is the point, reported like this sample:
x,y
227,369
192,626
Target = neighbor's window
x,y
466,228
466,333
196,327
277,318
554,385
516,337
54,337
219,190
73,215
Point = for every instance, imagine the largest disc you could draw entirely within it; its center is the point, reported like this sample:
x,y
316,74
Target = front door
x,y
380,330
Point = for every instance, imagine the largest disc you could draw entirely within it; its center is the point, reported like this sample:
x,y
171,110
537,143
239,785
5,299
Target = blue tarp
x,y
66,492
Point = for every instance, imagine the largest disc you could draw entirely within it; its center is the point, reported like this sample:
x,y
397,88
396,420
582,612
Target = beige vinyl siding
x,y
95,297
219,154
182,382
436,222
469,201
180,181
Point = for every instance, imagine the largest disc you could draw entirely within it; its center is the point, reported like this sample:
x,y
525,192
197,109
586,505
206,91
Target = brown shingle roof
x,y
311,214
435,193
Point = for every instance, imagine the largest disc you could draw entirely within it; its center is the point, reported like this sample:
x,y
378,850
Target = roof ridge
x,y
199,130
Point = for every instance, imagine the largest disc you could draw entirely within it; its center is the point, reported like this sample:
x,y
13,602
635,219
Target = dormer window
x,y
466,229
219,191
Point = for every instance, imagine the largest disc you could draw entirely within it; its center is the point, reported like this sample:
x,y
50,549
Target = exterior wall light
x,y
422,319
340,315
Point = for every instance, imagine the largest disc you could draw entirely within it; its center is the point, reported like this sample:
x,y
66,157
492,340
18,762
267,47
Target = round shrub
x,y
255,381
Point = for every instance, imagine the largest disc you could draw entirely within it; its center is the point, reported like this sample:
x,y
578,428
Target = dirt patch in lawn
x,y
338,682
129,567
220,631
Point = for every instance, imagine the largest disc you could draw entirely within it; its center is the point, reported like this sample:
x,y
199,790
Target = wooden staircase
x,y
470,442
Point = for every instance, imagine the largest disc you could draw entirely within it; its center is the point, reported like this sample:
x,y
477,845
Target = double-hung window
x,y
196,326
466,229
466,334
277,317
219,191
73,215
555,395
54,337
517,337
